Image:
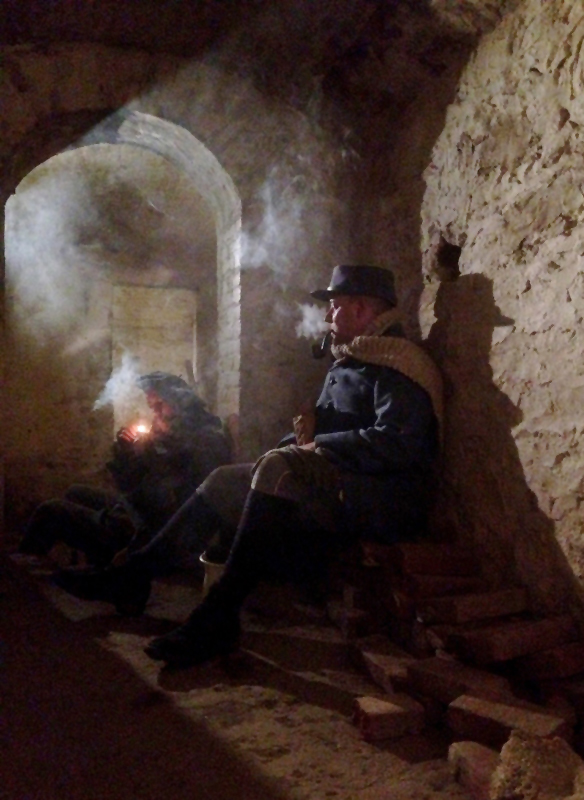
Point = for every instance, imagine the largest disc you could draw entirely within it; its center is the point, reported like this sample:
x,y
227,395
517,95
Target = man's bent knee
x,y
225,490
272,470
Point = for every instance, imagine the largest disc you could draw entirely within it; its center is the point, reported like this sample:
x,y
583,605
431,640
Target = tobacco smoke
x,y
312,323
293,221
45,279
277,233
122,392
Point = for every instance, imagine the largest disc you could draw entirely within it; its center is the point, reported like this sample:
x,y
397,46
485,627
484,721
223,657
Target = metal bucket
x,y
213,572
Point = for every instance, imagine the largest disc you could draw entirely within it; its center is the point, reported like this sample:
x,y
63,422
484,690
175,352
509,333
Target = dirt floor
x,y
86,714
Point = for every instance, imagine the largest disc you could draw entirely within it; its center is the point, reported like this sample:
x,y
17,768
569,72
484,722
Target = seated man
x,y
154,474
361,467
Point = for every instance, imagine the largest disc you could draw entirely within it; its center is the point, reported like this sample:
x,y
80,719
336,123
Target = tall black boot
x,y
127,586
272,542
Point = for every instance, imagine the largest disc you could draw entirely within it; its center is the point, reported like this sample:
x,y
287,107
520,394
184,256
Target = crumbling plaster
x,y
506,185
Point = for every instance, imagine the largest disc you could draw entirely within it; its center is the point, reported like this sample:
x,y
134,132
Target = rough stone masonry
x,y
506,186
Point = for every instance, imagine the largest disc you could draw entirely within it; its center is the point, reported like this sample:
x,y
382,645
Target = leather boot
x,y
128,586
271,537
212,630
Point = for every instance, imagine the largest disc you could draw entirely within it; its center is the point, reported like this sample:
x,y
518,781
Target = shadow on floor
x,y
78,722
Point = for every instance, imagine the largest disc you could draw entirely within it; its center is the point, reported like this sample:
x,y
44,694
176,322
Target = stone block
x,y
558,662
558,704
573,690
333,689
534,768
378,643
507,640
352,622
379,719
473,765
439,636
490,723
425,559
472,607
303,648
396,602
420,586
446,679
389,672
412,635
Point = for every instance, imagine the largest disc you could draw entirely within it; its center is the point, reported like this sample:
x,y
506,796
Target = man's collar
x,y
382,323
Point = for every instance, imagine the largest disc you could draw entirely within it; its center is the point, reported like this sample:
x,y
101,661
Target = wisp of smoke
x,y
290,225
85,340
43,272
121,388
276,232
312,323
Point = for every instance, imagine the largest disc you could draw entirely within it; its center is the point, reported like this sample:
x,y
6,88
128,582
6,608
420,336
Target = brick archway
x,y
181,148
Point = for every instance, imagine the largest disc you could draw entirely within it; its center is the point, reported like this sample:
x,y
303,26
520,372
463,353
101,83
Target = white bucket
x,y
213,572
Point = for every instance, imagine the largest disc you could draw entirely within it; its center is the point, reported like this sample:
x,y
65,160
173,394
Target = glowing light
x,y
141,428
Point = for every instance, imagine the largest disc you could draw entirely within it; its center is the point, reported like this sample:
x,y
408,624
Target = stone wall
x,y
503,306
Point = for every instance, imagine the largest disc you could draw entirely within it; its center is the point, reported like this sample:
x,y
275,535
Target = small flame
x,y
141,428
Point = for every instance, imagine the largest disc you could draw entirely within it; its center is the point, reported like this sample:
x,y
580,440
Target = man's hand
x,y
311,446
304,425
127,435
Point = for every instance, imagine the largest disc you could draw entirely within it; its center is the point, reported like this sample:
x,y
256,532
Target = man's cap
x,y
161,381
179,395
356,279
170,388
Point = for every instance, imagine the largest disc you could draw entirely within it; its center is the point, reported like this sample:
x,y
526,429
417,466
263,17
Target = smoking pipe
x,y
320,350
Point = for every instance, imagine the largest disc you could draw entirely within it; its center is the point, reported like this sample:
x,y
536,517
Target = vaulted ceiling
x,y
372,55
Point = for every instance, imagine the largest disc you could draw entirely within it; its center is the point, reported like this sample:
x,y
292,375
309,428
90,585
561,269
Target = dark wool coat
x,y
378,426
